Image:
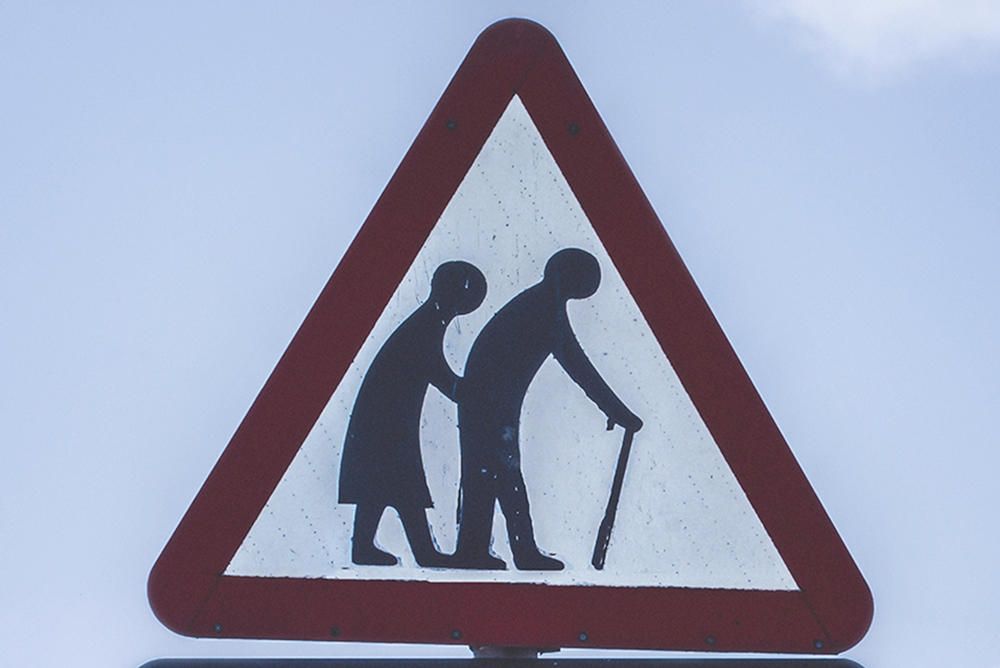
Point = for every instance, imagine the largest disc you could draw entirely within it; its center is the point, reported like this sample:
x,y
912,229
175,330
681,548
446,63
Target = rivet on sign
x,y
583,637
451,124
710,640
217,628
818,644
574,129
335,631
456,635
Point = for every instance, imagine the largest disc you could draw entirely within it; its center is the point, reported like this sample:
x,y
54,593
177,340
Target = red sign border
x,y
187,589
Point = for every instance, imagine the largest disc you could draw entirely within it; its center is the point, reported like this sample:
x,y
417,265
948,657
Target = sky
x,y
179,180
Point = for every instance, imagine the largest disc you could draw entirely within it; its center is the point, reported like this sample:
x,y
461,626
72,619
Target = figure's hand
x,y
627,419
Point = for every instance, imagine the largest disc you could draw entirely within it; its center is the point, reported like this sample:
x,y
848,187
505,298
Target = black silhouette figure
x,y
502,363
381,464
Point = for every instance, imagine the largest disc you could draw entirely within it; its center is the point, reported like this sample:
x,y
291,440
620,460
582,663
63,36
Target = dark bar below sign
x,y
503,663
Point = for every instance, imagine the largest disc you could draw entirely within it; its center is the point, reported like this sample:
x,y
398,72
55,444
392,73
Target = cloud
x,y
880,39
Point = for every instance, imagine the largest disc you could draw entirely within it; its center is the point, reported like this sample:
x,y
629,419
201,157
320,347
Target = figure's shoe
x,y
536,561
372,556
480,562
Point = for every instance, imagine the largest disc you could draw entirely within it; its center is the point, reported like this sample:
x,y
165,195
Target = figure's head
x,y
458,287
574,273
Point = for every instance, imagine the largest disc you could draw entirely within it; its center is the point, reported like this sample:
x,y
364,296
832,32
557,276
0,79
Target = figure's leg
x,y
475,527
514,504
419,534
363,550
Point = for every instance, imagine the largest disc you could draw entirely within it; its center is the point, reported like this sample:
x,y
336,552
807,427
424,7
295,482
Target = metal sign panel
x,y
511,419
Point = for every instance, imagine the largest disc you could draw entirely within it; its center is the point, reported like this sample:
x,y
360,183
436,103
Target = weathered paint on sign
x,y
515,250
683,521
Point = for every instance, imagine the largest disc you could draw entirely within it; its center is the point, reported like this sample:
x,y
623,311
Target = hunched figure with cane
x,y
501,365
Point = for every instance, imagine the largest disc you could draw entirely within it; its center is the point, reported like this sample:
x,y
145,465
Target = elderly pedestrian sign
x,y
511,419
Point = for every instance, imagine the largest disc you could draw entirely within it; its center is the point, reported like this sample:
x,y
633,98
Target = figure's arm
x,y
578,366
443,378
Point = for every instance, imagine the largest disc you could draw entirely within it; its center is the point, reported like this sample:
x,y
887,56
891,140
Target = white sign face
x,y
682,518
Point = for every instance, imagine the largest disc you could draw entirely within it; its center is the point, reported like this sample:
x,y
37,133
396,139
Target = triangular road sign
x,y
513,265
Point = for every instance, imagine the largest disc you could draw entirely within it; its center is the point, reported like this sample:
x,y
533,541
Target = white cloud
x,y
877,39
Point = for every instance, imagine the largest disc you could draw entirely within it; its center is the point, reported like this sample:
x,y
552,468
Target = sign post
x,y
429,460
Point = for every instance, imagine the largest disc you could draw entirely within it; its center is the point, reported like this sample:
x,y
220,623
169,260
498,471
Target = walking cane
x,y
604,533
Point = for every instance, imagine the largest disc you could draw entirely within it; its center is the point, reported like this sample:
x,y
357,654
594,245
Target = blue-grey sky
x,y
178,181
